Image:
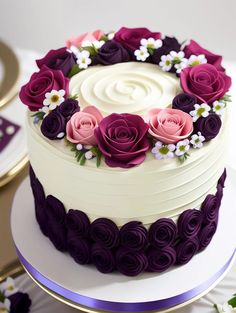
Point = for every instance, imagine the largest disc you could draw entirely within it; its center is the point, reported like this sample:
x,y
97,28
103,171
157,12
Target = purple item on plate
x,y
8,130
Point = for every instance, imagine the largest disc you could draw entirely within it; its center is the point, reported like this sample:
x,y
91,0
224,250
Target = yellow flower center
x,y
54,98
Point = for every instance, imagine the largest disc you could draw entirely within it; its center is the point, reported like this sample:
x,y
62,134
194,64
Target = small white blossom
x,y
8,287
74,49
197,140
88,155
141,54
197,59
151,43
218,107
83,59
96,43
200,110
5,306
60,135
180,66
166,62
79,146
111,35
182,147
177,56
53,99
225,308
162,151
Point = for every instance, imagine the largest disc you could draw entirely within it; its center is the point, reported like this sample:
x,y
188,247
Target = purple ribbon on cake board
x,y
119,306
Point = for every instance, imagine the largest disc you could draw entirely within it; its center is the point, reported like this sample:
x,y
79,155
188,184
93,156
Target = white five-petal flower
x,y
218,107
151,43
225,308
8,287
166,62
200,110
197,59
54,99
5,306
197,140
177,56
83,59
162,151
182,147
96,43
141,54
111,35
180,66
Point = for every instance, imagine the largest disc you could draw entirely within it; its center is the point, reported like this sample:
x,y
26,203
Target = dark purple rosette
x,y
31,175
78,248
205,82
160,260
194,48
57,233
184,102
122,139
103,259
162,233
105,232
208,126
112,52
130,38
78,222
33,93
53,125
20,303
133,235
130,263
168,44
206,234
189,223
60,59
222,179
186,249
55,210
68,107
210,208
219,194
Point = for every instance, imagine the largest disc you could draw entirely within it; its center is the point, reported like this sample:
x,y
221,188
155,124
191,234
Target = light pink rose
x,y
80,128
169,125
77,41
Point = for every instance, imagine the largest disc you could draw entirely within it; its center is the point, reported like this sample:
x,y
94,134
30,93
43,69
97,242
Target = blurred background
x,y
41,25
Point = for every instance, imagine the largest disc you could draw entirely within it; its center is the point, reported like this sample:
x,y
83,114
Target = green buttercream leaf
x,y
2,297
74,97
39,115
75,70
104,38
83,159
215,306
232,302
79,156
92,50
99,157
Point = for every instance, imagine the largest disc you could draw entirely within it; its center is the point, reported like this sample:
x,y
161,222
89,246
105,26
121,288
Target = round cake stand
x,y
84,288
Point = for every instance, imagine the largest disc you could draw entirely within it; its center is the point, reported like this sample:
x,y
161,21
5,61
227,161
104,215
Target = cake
x,y
126,137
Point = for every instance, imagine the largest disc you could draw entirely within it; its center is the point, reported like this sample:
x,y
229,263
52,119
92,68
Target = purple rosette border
x,y
120,306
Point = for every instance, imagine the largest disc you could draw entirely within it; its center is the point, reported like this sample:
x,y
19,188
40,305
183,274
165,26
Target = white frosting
x,y
125,87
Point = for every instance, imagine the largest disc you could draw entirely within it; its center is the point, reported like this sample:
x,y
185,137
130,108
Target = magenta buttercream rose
x,y
77,41
205,82
194,48
80,128
122,139
33,93
130,37
169,125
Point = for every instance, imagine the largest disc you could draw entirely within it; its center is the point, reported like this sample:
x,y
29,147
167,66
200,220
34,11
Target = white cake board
x,y
86,288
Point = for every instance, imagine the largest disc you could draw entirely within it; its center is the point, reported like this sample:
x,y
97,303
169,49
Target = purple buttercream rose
x,y
53,125
130,37
206,234
103,259
33,93
186,249
205,82
162,233
130,263
20,303
160,260
60,59
68,107
78,222
222,179
194,48
78,248
112,52
184,102
208,126
57,233
189,223
210,208
168,44
105,232
122,139
55,210
133,235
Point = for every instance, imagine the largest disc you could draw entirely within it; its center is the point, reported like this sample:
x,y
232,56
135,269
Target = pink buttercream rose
x,y
77,41
169,125
80,128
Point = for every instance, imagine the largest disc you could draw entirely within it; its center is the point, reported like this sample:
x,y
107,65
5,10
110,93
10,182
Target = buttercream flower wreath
x,y
193,118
